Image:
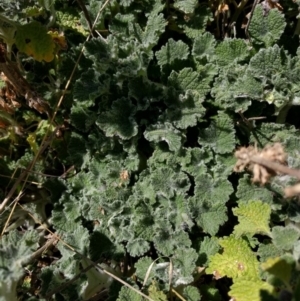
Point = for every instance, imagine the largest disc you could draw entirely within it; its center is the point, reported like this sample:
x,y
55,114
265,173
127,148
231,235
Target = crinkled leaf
x,y
88,87
191,293
249,290
204,46
144,92
236,261
187,79
155,293
173,50
98,51
254,218
268,250
164,132
154,28
142,267
137,247
212,190
220,135
235,89
199,157
168,183
230,51
266,27
15,250
210,218
166,240
33,39
248,191
210,293
284,237
197,21
119,120
184,261
208,246
223,165
187,6
127,294
187,110
120,24
82,118
267,63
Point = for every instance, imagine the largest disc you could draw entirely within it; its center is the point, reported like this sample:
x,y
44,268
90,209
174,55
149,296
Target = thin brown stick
x,y
37,254
275,166
249,20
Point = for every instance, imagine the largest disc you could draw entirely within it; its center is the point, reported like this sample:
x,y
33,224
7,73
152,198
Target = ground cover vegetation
x,y
149,150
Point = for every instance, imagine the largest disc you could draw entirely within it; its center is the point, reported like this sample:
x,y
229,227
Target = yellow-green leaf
x,y
278,267
249,290
33,39
237,260
254,217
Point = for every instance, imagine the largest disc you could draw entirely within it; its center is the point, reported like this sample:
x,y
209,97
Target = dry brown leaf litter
x,y
265,164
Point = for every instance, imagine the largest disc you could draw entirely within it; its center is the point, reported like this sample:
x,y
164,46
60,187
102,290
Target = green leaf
x,y
15,251
187,6
254,218
173,50
88,87
142,267
285,237
235,88
137,247
166,240
98,51
197,22
184,263
249,290
154,28
212,190
220,135
265,27
248,191
127,294
236,260
208,246
167,183
204,47
155,293
82,118
280,268
185,110
33,39
210,293
268,250
119,121
164,132
144,92
230,51
187,79
199,157
210,219
191,293
267,63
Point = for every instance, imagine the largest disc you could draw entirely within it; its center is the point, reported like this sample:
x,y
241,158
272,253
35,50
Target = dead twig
x,y
266,163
